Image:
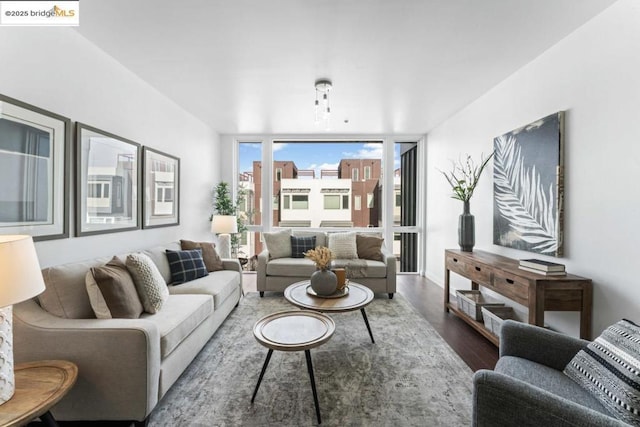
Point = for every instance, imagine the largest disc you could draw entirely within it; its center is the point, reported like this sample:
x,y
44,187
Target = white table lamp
x,y
224,226
20,279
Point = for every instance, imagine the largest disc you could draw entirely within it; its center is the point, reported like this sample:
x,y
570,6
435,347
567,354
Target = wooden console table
x,y
537,292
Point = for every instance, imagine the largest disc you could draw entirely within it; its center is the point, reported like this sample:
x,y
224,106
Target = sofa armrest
x,y
118,361
390,261
261,270
233,264
500,400
539,345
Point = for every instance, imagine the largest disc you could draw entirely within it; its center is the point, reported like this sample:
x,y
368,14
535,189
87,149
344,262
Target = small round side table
x,y
298,330
39,386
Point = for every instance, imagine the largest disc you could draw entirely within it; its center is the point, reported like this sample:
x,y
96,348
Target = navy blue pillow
x,y
300,245
186,265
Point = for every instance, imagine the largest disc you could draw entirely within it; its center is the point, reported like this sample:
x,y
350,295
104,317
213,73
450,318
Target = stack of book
x,y
542,267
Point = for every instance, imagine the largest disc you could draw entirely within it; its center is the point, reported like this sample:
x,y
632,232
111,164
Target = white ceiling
x,y
401,66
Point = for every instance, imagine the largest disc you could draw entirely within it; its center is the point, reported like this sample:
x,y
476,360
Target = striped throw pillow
x,y
609,368
186,265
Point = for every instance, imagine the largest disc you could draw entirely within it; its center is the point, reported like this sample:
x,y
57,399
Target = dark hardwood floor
x,y
426,297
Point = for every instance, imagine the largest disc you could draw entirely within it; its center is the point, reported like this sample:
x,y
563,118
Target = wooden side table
x,y
293,331
39,386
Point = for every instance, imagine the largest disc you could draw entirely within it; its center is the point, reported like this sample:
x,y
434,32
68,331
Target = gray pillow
x,y
278,244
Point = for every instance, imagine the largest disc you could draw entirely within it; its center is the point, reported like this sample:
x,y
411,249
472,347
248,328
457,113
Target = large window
x,y
405,208
249,199
318,180
317,184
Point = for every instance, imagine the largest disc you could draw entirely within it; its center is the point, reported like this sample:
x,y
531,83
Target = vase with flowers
x,y
323,281
463,179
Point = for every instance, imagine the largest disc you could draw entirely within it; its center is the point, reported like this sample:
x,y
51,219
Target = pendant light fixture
x,y
322,107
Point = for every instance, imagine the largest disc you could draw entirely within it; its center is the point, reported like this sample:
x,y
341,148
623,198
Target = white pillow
x,y
151,287
278,244
98,304
343,245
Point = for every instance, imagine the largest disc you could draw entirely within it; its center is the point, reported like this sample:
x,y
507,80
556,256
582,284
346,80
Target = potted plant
x,y
463,178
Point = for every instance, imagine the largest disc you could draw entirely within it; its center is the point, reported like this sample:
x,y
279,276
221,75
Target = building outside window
x,y
299,202
354,174
370,200
367,172
357,203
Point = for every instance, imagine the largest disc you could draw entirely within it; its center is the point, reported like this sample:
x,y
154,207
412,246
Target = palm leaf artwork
x,y
522,200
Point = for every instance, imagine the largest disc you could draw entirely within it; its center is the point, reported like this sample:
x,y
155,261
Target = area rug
x,y
409,377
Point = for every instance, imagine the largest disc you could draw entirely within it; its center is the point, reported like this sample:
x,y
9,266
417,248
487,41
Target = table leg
x,y
307,354
48,420
366,322
264,368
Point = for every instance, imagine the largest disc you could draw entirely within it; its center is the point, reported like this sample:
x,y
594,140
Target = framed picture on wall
x,y
34,171
107,182
161,189
528,182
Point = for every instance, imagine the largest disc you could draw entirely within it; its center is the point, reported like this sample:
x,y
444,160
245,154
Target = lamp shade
x,y
20,276
224,224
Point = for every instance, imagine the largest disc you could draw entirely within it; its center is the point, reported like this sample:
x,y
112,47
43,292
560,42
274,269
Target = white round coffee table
x,y
358,297
296,330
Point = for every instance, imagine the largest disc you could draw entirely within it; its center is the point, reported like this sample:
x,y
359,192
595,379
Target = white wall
x,y
60,71
594,75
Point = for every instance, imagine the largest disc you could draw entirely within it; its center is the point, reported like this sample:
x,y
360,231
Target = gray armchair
x,y
528,388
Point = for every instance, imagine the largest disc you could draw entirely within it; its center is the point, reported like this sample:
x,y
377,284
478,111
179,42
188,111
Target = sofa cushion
x,y
159,258
369,247
151,287
278,243
291,267
65,294
219,284
186,265
211,258
548,379
118,290
343,245
180,315
609,369
300,245
321,236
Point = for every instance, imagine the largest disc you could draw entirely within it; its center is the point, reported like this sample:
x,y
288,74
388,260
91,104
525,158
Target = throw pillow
x,y
117,289
343,245
186,265
98,304
369,247
609,369
278,244
300,245
151,287
211,258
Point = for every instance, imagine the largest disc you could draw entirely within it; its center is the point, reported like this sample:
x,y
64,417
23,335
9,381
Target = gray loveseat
x,y
276,274
528,387
125,366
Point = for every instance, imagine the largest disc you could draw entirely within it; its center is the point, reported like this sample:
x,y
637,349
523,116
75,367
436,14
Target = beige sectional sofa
x,y
125,366
275,274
